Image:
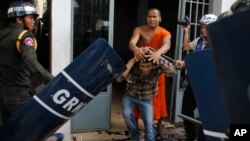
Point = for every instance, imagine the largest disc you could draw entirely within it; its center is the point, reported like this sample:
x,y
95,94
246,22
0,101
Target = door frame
x,y
101,104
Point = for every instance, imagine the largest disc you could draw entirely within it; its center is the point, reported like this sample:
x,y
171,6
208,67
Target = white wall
x,y
61,34
61,43
220,6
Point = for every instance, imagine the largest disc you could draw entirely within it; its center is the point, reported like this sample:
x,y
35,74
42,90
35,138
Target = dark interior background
x,y
41,32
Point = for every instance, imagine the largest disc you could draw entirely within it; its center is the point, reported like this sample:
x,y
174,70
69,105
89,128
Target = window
x,y
195,9
91,21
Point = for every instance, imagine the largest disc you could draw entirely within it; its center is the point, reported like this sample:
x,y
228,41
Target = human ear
x,y
19,21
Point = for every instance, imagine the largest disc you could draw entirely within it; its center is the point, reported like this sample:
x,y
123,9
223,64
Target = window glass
x,y
91,21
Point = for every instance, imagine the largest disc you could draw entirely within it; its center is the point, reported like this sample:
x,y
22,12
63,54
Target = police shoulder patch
x,y
29,41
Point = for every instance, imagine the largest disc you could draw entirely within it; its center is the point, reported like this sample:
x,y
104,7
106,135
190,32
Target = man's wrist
x,y
133,60
134,49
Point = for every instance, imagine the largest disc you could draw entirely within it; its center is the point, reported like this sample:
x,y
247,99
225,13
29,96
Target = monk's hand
x,y
154,57
139,55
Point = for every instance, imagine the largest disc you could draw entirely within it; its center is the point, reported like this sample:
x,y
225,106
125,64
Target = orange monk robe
x,y
159,101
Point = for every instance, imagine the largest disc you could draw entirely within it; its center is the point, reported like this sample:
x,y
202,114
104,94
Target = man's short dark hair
x,y
146,59
153,8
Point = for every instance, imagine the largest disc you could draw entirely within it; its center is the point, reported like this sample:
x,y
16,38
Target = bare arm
x,y
186,39
129,66
132,44
186,46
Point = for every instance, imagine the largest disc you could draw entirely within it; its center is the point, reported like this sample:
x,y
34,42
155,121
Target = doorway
x,y
127,15
130,13
91,21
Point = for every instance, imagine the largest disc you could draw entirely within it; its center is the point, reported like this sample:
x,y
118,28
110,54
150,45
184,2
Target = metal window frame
x,y
177,92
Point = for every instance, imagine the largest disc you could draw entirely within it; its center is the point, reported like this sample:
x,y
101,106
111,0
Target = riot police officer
x,y
18,58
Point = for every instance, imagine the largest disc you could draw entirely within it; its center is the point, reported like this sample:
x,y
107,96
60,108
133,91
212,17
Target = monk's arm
x,y
166,43
133,44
